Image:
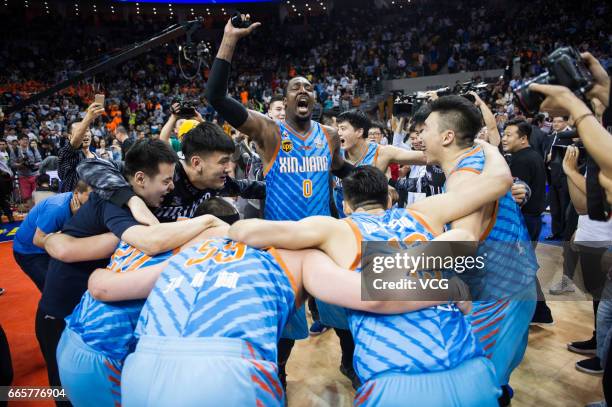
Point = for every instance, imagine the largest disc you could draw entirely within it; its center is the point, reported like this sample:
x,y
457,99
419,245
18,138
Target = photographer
x,y
25,162
179,112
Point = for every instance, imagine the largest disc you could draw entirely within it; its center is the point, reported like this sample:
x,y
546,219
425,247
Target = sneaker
x,y
601,403
542,315
506,397
566,285
317,328
352,376
590,366
583,347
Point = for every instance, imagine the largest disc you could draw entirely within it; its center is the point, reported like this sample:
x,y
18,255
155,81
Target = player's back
x,y
221,289
511,264
433,339
298,179
108,327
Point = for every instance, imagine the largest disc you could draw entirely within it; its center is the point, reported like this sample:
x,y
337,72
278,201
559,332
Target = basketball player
x,y
297,154
353,129
500,324
213,319
99,335
427,357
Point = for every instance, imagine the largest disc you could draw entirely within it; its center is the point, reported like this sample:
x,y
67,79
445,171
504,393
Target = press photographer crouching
x,y
587,82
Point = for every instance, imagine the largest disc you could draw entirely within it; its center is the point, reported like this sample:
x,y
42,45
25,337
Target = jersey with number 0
x,y
109,327
369,158
225,289
429,340
298,180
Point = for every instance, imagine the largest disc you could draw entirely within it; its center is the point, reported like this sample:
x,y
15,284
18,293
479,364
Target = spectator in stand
x,y
25,163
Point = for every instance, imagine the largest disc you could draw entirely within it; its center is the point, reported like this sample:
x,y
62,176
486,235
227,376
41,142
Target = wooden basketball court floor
x,y
546,377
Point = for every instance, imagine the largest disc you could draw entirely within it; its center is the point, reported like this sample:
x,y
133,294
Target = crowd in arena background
x,y
345,54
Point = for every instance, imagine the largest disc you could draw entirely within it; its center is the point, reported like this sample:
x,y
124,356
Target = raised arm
x,y
166,131
70,249
401,156
257,126
79,129
487,187
489,119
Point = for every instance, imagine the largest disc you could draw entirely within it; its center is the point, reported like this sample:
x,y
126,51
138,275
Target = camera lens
x,y
530,101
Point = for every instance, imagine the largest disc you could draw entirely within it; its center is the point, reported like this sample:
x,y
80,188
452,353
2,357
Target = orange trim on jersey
x,y
282,265
495,321
468,169
112,368
482,310
262,384
422,221
365,396
359,239
251,350
490,334
114,380
489,346
138,262
276,150
466,155
259,403
491,222
297,133
268,376
376,155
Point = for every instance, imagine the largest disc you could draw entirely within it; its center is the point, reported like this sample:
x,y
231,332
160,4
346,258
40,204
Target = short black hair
x,y
375,124
206,138
277,98
366,185
220,208
524,128
22,136
357,119
459,115
421,115
146,155
43,179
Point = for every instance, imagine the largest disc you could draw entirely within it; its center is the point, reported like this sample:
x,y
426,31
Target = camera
x,y
481,89
564,67
408,105
186,110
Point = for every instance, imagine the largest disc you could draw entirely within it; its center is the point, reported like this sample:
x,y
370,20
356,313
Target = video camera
x,y
408,105
480,88
564,67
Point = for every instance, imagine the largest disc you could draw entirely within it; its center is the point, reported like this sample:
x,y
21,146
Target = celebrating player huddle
x,y
205,311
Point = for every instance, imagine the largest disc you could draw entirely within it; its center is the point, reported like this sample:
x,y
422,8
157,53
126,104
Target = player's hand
x,y
519,192
74,204
477,100
431,95
570,161
464,306
238,33
404,170
141,212
601,88
198,117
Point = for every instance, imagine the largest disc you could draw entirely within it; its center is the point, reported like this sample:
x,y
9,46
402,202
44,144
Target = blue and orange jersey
x,y
433,339
511,263
369,158
298,178
223,289
109,327
510,269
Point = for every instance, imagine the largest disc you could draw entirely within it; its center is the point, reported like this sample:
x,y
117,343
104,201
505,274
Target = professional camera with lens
x,y
408,105
481,89
564,67
186,110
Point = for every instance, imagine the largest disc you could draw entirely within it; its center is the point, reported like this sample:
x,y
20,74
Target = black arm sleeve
x,y
343,171
216,93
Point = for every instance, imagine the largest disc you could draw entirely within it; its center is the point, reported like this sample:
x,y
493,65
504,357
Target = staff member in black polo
x,y
527,165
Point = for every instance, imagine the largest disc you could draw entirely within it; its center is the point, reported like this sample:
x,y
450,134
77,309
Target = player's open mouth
x,y
302,105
